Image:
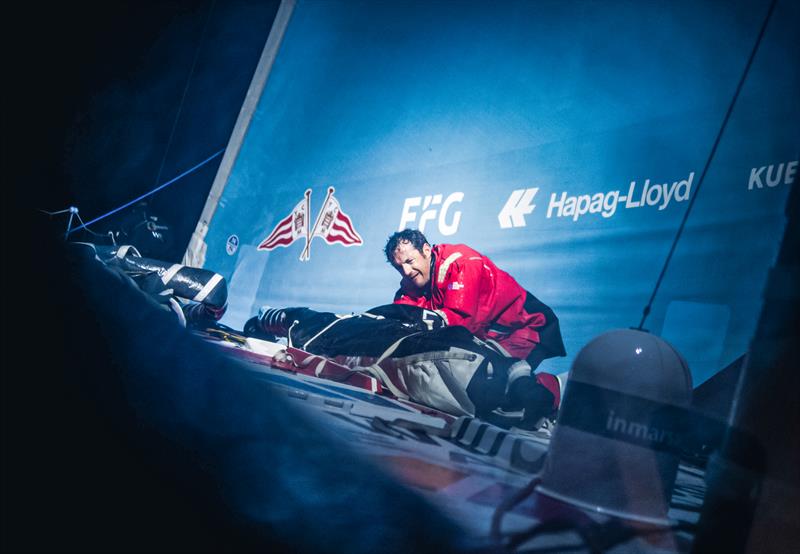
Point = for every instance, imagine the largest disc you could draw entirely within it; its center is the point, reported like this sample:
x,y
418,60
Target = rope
x,y
84,226
649,305
145,195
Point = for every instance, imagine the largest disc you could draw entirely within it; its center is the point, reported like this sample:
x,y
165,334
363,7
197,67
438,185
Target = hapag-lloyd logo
x,y
606,203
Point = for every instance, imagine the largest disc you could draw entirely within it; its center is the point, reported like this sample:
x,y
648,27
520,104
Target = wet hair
x,y
412,236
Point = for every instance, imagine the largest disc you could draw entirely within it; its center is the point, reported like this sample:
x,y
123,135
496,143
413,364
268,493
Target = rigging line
x,y
85,227
71,209
69,223
739,86
73,213
185,91
145,195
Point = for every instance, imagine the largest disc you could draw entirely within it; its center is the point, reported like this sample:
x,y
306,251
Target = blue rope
x,y
145,195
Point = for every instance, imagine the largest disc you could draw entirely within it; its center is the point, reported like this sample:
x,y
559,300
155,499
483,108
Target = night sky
x,y
107,101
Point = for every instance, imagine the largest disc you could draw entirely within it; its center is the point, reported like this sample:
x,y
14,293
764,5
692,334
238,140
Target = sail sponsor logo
x,y
232,245
772,175
649,194
518,205
332,225
432,207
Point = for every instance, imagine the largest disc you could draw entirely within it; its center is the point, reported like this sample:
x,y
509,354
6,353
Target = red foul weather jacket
x,y
468,289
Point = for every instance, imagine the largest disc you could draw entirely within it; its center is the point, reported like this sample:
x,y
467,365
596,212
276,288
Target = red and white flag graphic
x,y
294,226
332,225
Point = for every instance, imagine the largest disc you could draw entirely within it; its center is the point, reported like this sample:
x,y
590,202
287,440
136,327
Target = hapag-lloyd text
x,y
606,203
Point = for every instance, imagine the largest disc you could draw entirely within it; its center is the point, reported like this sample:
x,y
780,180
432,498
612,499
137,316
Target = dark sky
x,y
103,102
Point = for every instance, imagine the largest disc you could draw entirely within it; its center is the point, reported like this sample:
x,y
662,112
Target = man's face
x,y
413,265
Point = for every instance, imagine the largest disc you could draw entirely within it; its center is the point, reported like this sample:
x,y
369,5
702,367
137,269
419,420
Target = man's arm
x,y
402,297
460,286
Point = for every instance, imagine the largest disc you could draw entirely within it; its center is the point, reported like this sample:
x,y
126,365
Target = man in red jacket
x,y
466,288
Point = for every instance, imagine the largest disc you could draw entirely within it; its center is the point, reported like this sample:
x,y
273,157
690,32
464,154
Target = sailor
x,y
466,288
